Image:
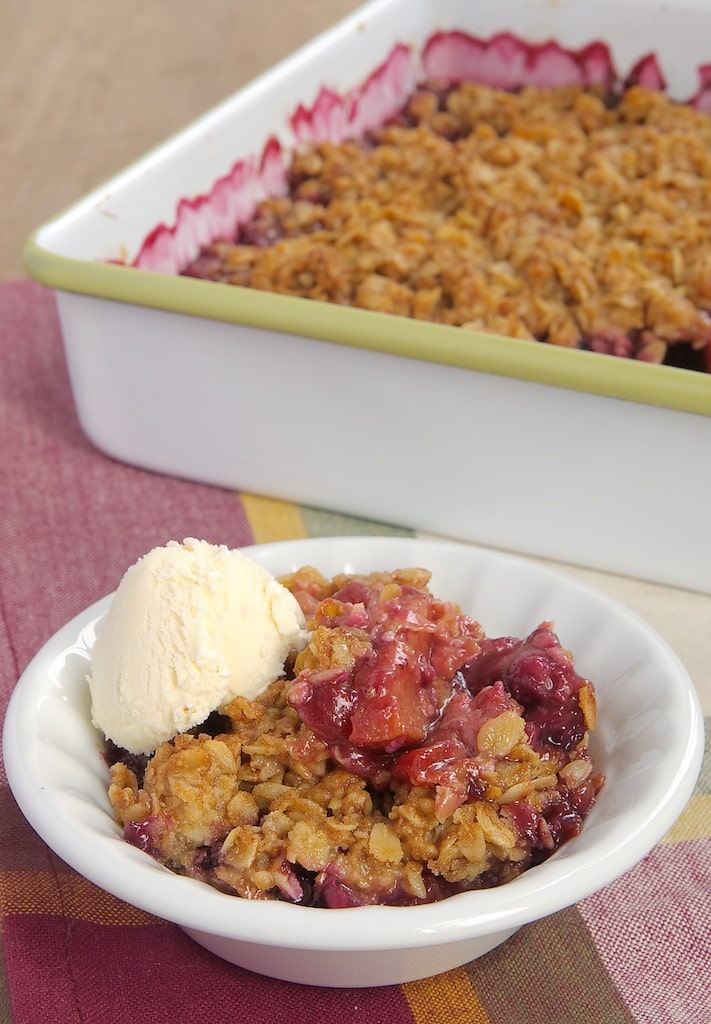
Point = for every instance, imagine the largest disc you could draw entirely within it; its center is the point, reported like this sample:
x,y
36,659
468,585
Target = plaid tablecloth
x,y
71,521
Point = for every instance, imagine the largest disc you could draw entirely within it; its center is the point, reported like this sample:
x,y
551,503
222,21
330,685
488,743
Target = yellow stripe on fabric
x,y
447,999
66,895
695,821
270,519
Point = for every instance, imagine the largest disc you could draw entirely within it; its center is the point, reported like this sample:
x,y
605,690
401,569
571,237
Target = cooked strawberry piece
x,y
396,690
450,759
385,705
397,704
539,674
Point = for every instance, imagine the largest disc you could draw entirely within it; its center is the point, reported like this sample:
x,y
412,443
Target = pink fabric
x,y
652,929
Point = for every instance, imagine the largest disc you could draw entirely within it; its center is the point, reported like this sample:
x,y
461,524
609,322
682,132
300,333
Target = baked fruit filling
x,y
571,215
404,757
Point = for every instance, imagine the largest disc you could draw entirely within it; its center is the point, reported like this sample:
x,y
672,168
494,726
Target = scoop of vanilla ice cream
x,y
191,626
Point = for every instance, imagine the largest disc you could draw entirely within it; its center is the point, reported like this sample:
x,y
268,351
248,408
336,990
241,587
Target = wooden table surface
x,y
86,87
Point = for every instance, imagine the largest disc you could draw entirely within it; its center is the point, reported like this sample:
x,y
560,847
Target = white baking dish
x,y
557,453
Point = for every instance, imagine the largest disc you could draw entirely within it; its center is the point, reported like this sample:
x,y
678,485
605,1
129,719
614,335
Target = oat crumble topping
x,y
559,215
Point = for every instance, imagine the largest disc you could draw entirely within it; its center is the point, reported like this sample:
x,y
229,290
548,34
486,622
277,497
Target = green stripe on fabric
x,y
548,973
321,523
703,784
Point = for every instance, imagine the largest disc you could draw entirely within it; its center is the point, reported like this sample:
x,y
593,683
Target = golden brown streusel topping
x,y
547,214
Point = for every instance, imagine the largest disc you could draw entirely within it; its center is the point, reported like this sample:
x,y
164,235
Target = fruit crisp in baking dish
x,y
405,756
570,215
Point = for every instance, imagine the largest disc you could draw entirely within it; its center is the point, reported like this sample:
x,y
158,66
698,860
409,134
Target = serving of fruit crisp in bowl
x,y
435,745
399,757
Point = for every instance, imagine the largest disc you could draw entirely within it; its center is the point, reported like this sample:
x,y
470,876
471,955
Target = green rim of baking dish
x,y
611,376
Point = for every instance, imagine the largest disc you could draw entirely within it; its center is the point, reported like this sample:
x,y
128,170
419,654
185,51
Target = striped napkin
x,y
71,521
